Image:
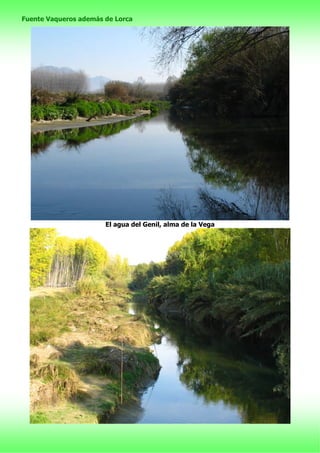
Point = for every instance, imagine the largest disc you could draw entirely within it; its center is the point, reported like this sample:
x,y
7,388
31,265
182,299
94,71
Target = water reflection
x,y
247,158
206,380
74,138
162,168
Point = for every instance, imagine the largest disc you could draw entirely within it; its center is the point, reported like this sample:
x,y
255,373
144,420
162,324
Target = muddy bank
x,y
88,355
56,125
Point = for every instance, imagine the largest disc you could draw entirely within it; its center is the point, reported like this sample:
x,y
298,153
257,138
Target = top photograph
x,y
159,123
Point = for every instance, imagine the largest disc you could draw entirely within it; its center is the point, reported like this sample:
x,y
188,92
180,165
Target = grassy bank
x,y
87,355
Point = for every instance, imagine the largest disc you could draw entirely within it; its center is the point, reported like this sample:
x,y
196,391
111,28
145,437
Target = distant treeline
x,y
227,281
64,80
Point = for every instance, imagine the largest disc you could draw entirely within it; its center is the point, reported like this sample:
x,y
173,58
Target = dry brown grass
x,y
60,385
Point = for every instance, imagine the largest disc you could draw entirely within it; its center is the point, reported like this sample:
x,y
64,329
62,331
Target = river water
x,y
162,168
206,380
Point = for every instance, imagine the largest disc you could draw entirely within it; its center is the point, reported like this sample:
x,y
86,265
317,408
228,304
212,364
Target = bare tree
x,y
171,42
57,81
116,89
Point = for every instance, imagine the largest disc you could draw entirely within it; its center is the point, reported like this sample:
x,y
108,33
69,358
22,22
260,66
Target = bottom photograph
x,y
197,330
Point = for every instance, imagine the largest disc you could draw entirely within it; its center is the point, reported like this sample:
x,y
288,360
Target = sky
x,y
138,245
118,53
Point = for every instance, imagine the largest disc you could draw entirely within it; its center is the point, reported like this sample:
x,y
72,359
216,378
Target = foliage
x,y
118,271
282,355
236,72
74,259
51,112
166,288
37,113
42,242
75,106
86,109
69,113
62,261
232,280
143,273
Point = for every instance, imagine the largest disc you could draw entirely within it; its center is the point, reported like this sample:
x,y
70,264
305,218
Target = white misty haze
x,y
118,53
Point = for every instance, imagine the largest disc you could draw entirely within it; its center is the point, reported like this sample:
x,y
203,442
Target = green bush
x,y
115,106
37,113
51,112
86,108
69,113
104,108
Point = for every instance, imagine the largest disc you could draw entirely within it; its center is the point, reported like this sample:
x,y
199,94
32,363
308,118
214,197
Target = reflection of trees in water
x,y
233,161
75,137
222,370
261,200
172,207
206,206
140,126
254,203
249,158
246,386
128,413
216,208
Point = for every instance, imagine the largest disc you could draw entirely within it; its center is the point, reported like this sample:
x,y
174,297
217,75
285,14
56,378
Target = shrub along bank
x,y
89,109
233,282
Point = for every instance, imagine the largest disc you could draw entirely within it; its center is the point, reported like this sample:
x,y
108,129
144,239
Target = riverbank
x,y
87,355
79,122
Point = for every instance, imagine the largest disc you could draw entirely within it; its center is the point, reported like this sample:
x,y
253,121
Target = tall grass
x,y
89,286
49,317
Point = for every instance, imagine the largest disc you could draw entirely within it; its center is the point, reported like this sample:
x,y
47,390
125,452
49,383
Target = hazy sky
x,y
119,53
139,245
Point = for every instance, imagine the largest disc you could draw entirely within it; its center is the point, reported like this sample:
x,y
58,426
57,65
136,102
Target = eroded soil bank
x,y
88,355
55,125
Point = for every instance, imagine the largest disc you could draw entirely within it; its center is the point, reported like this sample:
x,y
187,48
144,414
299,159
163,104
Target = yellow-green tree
x,y
42,247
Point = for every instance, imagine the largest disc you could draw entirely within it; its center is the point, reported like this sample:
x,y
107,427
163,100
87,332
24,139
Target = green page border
x,y
16,434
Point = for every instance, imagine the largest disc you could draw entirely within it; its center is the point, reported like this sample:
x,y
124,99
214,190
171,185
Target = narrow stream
x,y
206,381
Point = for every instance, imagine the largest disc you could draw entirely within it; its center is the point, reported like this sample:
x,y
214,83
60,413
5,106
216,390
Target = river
x,y
162,168
206,380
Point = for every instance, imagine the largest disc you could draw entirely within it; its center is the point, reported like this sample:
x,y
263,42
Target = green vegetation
x,y
39,417
82,337
235,72
69,110
232,281
61,261
41,254
80,343
222,282
49,317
